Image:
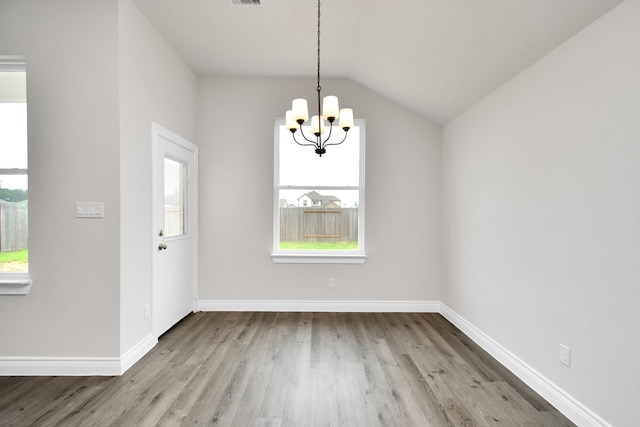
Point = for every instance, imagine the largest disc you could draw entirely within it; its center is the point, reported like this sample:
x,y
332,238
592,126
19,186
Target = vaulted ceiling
x,y
436,57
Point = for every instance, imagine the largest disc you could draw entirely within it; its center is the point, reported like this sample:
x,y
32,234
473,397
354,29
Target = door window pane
x,y
174,198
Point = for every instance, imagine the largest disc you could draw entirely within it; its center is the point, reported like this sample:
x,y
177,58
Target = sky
x,y
13,143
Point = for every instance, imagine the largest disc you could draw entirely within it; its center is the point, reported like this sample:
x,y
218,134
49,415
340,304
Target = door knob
x,y
162,246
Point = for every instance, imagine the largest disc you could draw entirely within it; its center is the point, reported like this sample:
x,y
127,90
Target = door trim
x,y
158,132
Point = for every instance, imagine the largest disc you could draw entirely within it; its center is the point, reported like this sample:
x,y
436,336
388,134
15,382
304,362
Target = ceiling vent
x,y
246,2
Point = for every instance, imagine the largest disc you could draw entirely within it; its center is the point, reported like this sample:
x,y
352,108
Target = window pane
x,y
319,219
13,136
14,212
174,198
339,166
14,208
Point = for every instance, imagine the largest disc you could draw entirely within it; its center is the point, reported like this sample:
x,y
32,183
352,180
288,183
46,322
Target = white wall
x,y
98,75
155,86
72,83
235,135
541,215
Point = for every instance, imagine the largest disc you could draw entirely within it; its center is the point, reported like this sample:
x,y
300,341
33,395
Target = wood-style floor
x,y
291,369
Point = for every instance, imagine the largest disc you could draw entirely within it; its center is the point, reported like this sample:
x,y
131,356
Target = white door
x,y
175,228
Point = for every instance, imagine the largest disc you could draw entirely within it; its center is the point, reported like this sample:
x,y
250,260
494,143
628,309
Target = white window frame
x,y
317,257
14,283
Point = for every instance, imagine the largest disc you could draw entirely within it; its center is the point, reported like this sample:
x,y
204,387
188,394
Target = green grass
x,y
19,256
324,246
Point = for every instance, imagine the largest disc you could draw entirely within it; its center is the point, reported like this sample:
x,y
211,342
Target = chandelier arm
x,y
338,143
304,145
314,143
324,144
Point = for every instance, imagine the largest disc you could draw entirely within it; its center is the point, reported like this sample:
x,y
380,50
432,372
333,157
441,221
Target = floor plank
x,y
292,369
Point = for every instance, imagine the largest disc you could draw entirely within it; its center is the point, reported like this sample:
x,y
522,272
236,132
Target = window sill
x,y
318,258
20,284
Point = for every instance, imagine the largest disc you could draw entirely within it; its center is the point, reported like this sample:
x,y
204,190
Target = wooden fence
x,y
13,225
318,225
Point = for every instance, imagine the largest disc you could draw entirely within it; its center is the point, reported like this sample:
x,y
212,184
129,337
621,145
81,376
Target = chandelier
x,y
299,114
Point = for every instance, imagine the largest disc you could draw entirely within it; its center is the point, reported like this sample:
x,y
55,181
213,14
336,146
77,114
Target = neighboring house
x,y
314,199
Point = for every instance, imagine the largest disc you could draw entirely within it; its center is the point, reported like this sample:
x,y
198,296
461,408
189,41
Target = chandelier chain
x,y
318,88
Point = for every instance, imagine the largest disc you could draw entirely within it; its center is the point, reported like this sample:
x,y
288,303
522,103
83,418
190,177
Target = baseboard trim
x,y
75,366
561,400
136,353
60,366
320,306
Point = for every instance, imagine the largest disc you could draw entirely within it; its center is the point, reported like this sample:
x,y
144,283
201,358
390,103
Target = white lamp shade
x,y
330,107
289,122
300,110
346,118
315,122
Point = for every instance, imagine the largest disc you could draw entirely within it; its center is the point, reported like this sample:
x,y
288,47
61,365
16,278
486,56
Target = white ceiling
x,y
437,57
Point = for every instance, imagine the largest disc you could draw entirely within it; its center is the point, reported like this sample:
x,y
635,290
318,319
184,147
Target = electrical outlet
x,y
147,311
332,282
565,355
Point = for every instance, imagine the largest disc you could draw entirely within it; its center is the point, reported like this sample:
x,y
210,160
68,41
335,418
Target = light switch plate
x,y
89,210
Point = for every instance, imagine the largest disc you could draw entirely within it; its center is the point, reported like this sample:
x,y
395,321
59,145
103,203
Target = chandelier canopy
x,y
331,111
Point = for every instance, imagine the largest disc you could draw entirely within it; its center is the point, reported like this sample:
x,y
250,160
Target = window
x,y
14,207
319,201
